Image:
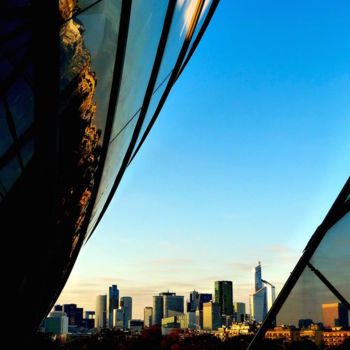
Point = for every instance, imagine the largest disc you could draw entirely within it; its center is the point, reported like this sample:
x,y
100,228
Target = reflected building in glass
x,y
82,86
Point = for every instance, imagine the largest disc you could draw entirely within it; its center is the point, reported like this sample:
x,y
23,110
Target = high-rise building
x,y
224,296
204,298
263,298
211,316
148,311
157,310
56,323
58,308
74,314
69,129
89,315
172,305
335,315
113,303
239,311
126,306
193,303
101,311
118,318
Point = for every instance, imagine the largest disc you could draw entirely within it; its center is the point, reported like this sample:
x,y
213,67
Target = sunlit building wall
x,y
147,313
211,316
101,311
335,315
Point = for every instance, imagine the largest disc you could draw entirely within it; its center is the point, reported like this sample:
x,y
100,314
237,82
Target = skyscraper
x,y
193,303
126,305
118,318
263,298
204,298
335,315
224,296
101,311
113,303
157,310
239,311
172,304
147,316
211,316
74,314
69,129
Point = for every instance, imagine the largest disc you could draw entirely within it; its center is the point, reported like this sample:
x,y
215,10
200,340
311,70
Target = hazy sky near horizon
x,y
247,156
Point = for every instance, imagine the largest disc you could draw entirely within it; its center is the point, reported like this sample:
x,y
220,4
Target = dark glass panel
x,y
21,103
5,136
10,173
332,257
27,151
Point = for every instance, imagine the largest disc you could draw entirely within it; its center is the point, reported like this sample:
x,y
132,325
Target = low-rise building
x,y
335,337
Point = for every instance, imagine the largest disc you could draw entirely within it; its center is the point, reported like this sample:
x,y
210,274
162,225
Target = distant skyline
x,y
247,156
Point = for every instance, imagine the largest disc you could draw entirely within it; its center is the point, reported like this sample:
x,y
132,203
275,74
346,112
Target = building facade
x,y
224,296
101,312
211,316
69,126
335,315
113,303
147,316
126,306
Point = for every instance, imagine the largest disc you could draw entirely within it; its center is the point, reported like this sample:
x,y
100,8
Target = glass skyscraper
x,y
113,303
224,296
82,85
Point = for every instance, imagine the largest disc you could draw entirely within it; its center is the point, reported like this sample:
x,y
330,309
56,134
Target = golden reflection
x,y
80,139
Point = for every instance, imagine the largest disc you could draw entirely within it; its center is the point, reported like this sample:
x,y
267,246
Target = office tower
x,y
74,314
263,298
172,305
56,323
193,303
157,310
335,315
101,311
147,313
118,318
224,296
239,311
211,316
204,298
126,306
113,303
69,131
58,308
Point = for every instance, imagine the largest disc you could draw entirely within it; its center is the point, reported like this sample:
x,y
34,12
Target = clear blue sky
x,y
248,154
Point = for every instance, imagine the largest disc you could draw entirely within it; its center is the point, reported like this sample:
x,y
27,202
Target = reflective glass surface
x,y
17,97
87,54
145,27
179,26
311,306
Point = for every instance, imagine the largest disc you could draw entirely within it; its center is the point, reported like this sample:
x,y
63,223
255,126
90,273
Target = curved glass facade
x,y
72,110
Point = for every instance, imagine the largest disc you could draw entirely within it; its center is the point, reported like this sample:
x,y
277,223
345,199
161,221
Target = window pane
x,y
332,257
21,103
146,23
181,21
112,167
10,173
5,136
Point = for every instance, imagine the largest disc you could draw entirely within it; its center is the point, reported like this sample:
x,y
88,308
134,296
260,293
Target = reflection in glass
x,y
146,23
87,55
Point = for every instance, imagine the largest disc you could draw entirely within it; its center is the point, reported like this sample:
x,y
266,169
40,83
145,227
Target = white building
x,y
101,312
147,316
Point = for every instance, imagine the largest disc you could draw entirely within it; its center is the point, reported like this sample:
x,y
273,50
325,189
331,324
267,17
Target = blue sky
x,y
247,156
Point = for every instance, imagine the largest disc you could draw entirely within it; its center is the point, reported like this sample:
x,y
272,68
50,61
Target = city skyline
x,y
252,180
